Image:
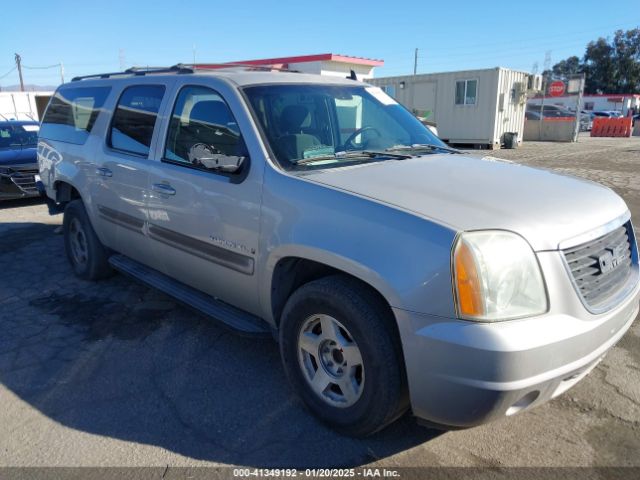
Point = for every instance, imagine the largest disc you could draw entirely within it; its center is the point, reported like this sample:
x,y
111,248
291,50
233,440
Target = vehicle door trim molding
x,y
122,219
213,253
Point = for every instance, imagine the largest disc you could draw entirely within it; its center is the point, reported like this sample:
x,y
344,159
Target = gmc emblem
x,y
611,258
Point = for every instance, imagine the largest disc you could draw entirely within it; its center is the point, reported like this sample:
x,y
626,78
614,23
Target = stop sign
x,y
556,89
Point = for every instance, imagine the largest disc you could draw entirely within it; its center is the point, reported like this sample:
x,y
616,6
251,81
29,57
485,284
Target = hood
x,y
471,193
24,156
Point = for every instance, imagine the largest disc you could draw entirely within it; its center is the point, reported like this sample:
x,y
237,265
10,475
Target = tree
x,y
627,54
570,66
599,67
611,66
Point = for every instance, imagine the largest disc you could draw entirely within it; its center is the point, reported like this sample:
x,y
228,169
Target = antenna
x,y
121,59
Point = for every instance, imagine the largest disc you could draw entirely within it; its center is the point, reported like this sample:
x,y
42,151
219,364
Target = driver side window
x,y
201,119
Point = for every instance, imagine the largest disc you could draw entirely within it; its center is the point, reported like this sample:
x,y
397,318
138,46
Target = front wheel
x,y
342,355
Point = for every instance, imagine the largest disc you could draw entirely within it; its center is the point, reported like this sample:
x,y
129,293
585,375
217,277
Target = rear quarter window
x,y
72,113
135,118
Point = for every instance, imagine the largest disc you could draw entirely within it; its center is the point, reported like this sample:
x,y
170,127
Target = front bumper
x,y
463,374
18,182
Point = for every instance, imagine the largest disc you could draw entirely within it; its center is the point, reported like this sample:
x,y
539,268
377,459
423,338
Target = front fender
x,y
406,258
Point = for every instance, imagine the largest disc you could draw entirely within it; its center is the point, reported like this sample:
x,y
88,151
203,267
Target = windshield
x,y
324,126
14,136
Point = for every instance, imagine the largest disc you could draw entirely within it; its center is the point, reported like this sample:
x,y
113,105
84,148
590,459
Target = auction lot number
x,y
316,472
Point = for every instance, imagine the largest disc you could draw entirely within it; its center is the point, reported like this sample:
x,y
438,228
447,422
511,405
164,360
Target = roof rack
x,y
182,68
140,71
248,66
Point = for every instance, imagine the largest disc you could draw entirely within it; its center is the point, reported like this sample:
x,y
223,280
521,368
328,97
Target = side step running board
x,y
234,318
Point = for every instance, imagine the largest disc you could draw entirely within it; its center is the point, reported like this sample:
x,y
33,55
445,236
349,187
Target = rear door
x,y
204,224
122,163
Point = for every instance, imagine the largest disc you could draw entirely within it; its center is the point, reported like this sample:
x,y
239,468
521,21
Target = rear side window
x,y
72,113
135,118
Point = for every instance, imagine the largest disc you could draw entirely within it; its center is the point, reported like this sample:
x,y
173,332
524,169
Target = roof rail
x,y
248,66
182,68
140,71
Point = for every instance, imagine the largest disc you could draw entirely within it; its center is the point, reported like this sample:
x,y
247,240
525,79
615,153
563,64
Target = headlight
x,y
496,277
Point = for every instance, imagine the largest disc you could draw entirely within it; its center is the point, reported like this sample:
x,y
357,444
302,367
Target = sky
x,y
93,37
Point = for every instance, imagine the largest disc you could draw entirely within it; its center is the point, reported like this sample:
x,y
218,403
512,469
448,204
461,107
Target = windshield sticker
x,y
31,128
319,151
381,96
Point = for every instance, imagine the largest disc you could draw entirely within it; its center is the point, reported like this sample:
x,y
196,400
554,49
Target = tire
x,y
88,257
321,324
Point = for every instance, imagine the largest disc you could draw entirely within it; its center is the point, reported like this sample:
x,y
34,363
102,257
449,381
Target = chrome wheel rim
x,y
331,361
78,242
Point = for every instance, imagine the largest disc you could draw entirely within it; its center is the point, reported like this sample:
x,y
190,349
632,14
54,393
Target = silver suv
x,y
395,272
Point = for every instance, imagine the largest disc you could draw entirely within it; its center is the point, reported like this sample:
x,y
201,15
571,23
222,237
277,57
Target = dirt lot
x,y
112,373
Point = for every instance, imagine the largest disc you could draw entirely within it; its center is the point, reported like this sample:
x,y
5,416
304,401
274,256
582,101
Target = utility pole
x,y
580,92
547,67
19,65
61,72
415,62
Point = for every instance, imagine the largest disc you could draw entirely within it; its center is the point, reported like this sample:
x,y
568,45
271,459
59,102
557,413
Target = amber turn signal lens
x,y
467,282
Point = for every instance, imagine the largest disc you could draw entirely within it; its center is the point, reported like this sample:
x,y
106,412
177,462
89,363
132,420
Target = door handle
x,y
104,172
163,188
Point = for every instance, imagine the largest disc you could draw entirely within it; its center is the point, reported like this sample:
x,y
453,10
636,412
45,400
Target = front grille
x,y
25,180
601,267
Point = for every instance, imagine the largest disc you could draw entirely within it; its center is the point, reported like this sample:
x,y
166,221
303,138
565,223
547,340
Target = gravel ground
x,y
115,374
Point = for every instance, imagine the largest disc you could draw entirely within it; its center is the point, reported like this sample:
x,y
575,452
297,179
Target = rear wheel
x,y
342,355
88,257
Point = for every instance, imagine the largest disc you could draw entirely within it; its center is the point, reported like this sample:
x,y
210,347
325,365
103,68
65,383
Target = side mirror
x,y
203,155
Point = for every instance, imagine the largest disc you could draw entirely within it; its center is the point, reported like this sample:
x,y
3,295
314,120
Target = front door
x,y
203,224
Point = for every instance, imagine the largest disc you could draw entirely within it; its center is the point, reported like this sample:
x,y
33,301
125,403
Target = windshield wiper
x,y
422,146
352,155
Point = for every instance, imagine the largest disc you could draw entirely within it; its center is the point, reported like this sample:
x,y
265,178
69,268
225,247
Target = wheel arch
x,y
65,192
290,271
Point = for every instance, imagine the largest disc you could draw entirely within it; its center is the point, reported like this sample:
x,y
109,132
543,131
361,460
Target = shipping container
x,y
469,107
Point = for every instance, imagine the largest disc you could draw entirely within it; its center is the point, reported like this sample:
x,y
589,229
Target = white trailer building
x,y
469,107
23,105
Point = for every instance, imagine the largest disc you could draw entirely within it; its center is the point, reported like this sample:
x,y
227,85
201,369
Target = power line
x,y
446,52
527,40
55,65
511,50
8,73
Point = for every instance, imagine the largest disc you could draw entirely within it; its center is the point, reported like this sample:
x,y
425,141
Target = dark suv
x,y
18,159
